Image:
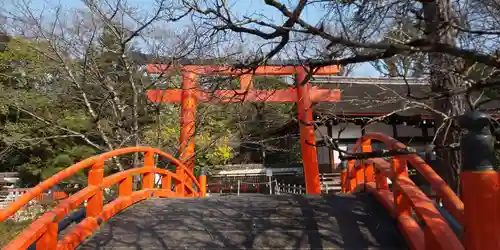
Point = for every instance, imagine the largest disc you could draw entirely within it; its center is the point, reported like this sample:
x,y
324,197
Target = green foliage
x,y
44,119
10,229
219,126
35,147
24,63
75,120
212,141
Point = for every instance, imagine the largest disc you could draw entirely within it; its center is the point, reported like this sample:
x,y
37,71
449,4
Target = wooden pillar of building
x,y
394,130
363,128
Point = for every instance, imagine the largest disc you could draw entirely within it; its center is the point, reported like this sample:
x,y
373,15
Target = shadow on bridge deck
x,y
251,222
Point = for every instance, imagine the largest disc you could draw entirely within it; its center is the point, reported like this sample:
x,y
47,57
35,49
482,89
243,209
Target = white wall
x,y
320,132
323,155
351,130
336,154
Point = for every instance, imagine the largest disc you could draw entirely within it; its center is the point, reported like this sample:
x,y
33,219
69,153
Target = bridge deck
x,y
251,222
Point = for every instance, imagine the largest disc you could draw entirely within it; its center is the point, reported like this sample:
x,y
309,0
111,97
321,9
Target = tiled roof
x,y
253,166
368,99
371,99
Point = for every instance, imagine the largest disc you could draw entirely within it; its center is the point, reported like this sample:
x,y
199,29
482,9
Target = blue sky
x,y
256,8
312,14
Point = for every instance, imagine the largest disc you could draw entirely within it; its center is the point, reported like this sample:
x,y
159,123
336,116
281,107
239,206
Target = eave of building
x,y
256,172
369,80
8,177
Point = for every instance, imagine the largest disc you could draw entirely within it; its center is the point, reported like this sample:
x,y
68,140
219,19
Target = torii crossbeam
x,y
304,95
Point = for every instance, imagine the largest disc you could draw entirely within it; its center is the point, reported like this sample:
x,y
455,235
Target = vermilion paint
x,y
481,196
202,179
303,94
188,119
406,197
307,134
44,230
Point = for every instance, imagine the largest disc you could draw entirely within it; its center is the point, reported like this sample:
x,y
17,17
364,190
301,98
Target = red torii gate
x,y
304,95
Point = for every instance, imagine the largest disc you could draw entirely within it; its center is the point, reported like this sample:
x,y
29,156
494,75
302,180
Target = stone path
x,y
251,222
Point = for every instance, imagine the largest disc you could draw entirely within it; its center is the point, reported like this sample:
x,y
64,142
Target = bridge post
x,y
480,181
180,187
95,177
367,173
49,238
402,203
343,176
148,179
350,170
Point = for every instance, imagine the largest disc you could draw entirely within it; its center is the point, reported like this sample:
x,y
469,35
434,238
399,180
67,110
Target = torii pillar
x,y
303,94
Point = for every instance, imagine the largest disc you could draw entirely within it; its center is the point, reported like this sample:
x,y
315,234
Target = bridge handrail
x,y
43,231
451,201
43,186
87,163
371,175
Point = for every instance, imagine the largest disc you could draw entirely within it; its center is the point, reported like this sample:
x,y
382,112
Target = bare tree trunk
x,y
260,119
450,161
443,80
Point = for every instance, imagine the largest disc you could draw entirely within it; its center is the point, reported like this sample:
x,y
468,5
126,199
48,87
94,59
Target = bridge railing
x,y
406,202
471,222
43,232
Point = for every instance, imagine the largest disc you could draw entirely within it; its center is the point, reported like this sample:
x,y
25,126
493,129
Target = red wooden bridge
x,y
367,214
175,214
